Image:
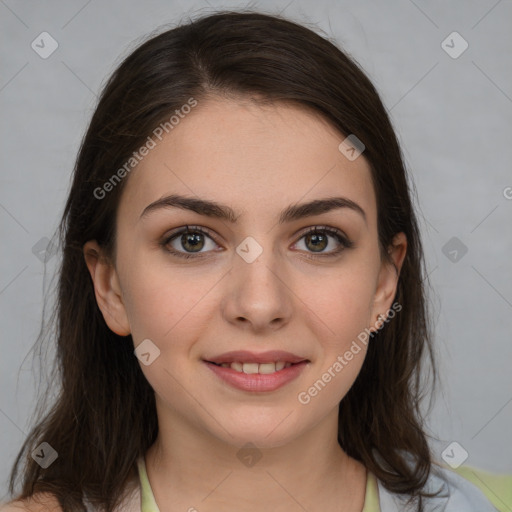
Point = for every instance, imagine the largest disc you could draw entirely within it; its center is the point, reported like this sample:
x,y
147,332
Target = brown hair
x,y
104,416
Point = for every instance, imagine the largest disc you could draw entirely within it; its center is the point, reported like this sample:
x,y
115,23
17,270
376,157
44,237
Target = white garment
x,y
457,495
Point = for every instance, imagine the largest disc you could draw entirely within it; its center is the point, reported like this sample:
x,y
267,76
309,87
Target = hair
x,y
104,416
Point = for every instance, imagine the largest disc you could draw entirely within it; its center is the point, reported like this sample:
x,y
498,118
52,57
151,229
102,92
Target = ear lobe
x,y
106,288
388,278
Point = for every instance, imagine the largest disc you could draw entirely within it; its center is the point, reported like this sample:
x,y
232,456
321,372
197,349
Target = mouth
x,y
249,371
261,368
244,361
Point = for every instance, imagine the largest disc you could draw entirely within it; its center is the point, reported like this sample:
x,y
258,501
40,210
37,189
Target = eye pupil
x,y
319,241
194,240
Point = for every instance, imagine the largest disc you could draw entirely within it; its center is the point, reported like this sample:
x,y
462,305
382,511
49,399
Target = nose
x,y
258,297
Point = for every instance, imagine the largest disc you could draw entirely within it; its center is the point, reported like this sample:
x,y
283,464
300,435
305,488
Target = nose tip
x,y
257,296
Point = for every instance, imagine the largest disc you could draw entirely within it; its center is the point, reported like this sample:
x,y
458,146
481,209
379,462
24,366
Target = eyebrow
x,y
224,212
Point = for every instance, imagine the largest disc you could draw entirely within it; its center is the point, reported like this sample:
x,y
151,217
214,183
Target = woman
x,y
242,317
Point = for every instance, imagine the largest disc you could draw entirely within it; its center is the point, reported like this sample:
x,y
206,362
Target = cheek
x,y
343,319
342,301
341,308
163,302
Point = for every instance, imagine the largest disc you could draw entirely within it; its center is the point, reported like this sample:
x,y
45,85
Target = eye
x,y
189,242
319,238
195,242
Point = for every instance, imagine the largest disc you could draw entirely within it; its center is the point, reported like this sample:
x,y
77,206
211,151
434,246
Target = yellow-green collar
x,y
148,503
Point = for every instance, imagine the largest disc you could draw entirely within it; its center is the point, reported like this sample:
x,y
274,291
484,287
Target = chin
x,y
262,430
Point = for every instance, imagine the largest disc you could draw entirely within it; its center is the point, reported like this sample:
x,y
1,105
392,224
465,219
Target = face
x,y
257,270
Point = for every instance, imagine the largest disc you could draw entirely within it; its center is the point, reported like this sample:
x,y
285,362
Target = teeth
x,y
262,368
236,366
251,367
266,368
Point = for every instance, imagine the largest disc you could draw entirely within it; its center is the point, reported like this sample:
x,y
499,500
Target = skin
x,y
257,160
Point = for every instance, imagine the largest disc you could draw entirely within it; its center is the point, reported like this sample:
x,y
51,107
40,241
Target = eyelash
x,y
334,232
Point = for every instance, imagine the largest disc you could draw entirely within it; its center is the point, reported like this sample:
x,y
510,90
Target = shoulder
x,y
461,492
48,502
40,502
497,487
454,493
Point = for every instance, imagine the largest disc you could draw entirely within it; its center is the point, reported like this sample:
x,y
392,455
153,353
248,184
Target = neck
x,y
192,470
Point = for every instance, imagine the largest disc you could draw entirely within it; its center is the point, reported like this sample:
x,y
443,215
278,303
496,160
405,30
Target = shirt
x,y
486,492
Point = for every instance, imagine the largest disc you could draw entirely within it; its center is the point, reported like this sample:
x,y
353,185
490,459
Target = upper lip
x,y
244,356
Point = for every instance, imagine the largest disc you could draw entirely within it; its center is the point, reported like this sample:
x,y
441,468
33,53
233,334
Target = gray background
x,y
453,117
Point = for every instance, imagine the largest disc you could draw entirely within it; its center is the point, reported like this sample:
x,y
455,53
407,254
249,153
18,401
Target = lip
x,y
255,381
245,356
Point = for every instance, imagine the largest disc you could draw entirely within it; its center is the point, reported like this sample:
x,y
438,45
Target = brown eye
x,y
320,238
192,242
189,242
317,242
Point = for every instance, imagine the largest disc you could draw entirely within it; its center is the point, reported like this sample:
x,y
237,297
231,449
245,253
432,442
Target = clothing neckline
x,y
148,503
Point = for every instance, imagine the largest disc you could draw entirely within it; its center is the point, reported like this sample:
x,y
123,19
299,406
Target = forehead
x,y
255,158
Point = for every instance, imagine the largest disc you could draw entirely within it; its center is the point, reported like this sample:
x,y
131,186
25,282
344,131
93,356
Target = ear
x,y
388,281
106,288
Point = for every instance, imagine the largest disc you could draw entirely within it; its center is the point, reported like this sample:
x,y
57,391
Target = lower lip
x,y
258,381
